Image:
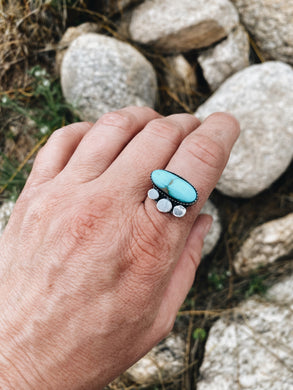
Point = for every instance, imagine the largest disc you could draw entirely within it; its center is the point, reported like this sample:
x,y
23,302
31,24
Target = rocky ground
x,y
235,329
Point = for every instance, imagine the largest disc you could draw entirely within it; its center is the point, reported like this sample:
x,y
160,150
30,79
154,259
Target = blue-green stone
x,y
174,186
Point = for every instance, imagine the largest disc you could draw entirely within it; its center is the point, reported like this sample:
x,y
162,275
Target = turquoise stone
x,y
174,186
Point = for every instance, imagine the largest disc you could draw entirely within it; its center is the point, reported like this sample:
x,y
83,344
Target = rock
x,y
179,26
281,293
162,362
252,347
216,229
180,75
101,74
265,244
70,35
5,212
271,24
226,58
260,97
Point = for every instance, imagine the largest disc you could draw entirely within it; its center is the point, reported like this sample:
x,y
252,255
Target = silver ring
x,y
172,193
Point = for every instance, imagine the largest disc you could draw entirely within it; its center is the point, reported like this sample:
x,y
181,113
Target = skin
x,y
92,275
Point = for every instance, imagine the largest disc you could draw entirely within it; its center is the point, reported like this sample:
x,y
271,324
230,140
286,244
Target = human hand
x,y
92,275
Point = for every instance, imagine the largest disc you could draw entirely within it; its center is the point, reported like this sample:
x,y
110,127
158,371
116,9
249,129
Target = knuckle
x,y
146,109
71,129
123,120
165,129
55,137
56,134
149,110
85,123
209,151
225,117
194,256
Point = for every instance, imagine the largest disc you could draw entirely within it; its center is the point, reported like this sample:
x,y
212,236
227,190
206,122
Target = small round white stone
x,y
153,194
164,205
179,211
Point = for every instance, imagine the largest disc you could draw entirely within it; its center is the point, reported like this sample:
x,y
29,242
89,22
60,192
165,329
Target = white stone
x,y
153,194
172,25
251,348
162,362
5,212
179,211
265,244
260,97
70,35
214,234
164,205
270,23
226,58
281,293
101,74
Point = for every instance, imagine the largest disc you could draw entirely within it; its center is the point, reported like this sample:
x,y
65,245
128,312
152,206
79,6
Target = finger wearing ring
x,y
171,192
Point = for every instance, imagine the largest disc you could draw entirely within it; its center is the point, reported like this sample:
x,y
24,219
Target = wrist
x,y
15,372
17,367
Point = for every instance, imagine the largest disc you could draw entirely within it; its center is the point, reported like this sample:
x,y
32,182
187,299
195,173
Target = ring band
x,y
171,192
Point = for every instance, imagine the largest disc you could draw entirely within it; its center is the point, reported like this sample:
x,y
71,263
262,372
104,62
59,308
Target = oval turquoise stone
x,y
174,186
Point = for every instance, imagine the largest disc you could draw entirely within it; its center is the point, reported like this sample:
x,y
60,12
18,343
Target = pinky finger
x,y
183,275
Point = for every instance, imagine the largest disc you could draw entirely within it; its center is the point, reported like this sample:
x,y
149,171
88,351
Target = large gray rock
x,y
214,234
162,362
251,348
260,97
271,24
70,35
5,212
265,244
101,74
226,58
180,26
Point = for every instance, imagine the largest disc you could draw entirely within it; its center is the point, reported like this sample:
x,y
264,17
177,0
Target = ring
x,y
171,192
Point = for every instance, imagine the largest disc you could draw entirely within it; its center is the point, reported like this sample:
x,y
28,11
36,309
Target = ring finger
x,y
200,159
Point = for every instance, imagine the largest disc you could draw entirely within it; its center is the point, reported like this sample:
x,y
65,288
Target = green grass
x,y
45,107
256,285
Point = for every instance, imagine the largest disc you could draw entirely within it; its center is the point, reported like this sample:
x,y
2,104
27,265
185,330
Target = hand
x,y
92,275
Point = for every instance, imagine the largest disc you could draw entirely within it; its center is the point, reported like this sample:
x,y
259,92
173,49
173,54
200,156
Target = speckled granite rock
x,y
271,24
260,97
215,231
226,58
179,26
70,35
162,362
101,74
252,347
5,212
265,244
